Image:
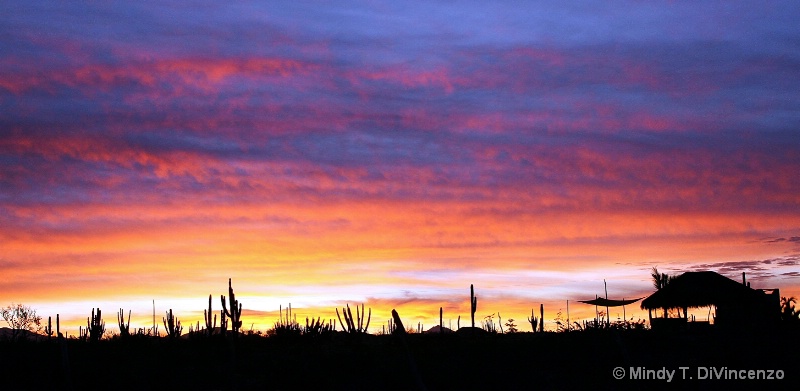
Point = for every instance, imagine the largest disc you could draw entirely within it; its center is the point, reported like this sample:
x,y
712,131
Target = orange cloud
x,y
198,73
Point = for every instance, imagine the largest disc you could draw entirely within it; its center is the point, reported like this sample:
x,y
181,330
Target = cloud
x,y
294,141
792,239
764,270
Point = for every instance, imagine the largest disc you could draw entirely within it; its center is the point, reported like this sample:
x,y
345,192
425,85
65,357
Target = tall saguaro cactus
x,y
235,312
533,321
541,318
210,325
49,329
473,301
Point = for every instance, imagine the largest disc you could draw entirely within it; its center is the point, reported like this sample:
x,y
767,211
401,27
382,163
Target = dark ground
x,y
547,361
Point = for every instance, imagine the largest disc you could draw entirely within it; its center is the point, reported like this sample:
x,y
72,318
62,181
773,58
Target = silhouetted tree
x,y
660,280
21,318
512,328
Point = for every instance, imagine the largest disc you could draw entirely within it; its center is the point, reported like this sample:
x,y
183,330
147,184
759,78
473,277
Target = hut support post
x,y
596,317
608,315
624,316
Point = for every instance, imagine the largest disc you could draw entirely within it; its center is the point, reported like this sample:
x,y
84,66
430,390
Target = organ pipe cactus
x,y
172,325
318,327
287,323
124,328
95,326
83,334
354,325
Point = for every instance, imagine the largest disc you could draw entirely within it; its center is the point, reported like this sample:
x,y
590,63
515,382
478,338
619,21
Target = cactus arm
x,y
340,319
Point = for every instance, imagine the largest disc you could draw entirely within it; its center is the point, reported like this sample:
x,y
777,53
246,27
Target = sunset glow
x,y
322,154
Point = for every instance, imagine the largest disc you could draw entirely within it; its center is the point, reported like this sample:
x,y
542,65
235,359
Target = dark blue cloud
x,y
529,99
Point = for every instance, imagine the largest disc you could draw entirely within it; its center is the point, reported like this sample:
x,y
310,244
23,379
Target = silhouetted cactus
x,y
287,325
49,328
541,318
96,326
124,329
473,302
223,323
235,312
398,323
172,325
210,325
533,321
351,324
147,332
317,327
83,334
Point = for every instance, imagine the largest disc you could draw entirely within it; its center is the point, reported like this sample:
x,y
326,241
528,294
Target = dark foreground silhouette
x,y
339,361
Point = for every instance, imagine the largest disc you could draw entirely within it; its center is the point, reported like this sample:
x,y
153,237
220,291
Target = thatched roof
x,y
603,302
700,289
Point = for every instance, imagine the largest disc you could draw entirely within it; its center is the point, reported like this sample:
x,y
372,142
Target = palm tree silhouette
x,y
660,280
788,311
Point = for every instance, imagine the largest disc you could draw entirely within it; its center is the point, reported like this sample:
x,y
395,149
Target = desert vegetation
x,y
220,354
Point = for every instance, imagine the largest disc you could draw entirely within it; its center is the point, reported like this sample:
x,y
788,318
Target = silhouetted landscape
x,y
361,188
291,356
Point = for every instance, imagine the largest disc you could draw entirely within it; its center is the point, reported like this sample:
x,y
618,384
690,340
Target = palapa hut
x,y
736,304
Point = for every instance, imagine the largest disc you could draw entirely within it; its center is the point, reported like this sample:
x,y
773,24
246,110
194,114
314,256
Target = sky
x,y
322,154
